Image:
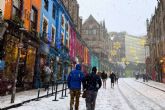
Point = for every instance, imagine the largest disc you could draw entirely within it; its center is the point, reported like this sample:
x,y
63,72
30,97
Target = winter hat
x,y
94,69
78,67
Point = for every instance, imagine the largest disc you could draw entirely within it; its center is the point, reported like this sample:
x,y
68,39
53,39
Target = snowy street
x,y
129,94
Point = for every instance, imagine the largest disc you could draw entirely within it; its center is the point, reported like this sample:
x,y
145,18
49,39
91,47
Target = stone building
x,y
134,49
156,43
117,38
96,36
73,8
126,49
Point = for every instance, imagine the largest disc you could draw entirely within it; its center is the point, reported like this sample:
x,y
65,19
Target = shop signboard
x,y
2,65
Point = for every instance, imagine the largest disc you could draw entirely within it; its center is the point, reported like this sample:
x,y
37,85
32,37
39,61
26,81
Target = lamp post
x,y
20,46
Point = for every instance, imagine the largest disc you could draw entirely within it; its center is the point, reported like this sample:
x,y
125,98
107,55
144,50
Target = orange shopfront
x,y
27,62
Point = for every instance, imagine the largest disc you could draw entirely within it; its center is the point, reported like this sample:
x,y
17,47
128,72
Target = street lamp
x,y
161,61
20,46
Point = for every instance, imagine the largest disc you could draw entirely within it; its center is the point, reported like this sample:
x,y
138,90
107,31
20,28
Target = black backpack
x,y
93,82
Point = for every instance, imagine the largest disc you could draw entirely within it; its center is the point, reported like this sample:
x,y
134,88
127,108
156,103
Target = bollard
x,y
62,97
55,94
65,89
48,90
38,95
52,87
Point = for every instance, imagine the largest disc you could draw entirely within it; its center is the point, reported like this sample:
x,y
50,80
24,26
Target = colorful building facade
x,y
40,32
94,61
21,42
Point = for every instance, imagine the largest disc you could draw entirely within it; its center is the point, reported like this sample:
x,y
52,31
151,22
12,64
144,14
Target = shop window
x,y
54,11
34,15
17,8
59,72
11,53
52,67
46,4
30,64
43,59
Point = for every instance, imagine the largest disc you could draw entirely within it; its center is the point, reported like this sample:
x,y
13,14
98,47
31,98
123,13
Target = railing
x,y
37,94
54,90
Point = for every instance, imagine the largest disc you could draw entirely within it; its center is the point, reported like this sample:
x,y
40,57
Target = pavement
x,y
154,84
27,96
31,95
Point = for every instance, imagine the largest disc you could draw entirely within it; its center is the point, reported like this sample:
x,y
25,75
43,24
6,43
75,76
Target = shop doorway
x,y
59,71
26,67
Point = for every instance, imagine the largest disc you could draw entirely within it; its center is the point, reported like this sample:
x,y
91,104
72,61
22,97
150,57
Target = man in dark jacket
x,y
74,84
91,85
104,78
112,77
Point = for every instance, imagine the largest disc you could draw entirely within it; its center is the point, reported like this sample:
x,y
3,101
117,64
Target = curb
x,y
27,101
152,86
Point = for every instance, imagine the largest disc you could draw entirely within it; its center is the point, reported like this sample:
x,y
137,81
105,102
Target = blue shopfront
x,y
63,38
47,55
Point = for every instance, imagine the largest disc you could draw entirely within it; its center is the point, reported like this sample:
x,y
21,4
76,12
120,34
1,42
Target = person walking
x,y
91,85
104,78
74,80
112,77
47,72
116,78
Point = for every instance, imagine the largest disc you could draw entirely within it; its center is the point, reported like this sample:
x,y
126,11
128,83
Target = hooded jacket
x,y
75,78
92,82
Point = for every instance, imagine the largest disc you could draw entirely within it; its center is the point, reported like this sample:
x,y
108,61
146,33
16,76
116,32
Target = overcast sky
x,y
120,15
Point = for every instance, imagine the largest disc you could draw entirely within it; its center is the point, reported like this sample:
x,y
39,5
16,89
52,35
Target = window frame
x,y
54,11
44,18
46,4
53,40
16,10
35,18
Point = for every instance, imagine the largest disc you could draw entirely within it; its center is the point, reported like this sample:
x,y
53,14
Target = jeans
x,y
74,94
91,99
